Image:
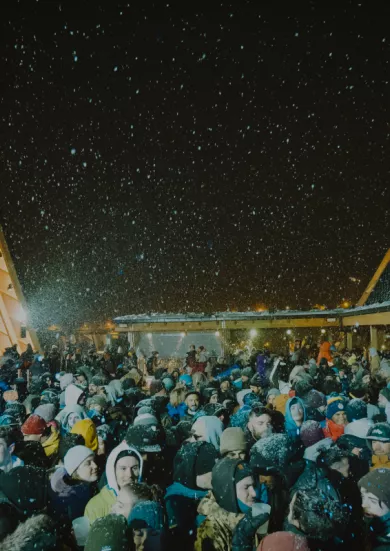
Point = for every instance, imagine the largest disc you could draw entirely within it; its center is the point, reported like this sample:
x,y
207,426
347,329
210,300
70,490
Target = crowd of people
x,y
268,451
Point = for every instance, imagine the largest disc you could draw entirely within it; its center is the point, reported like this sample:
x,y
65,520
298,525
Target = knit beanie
x,y
34,425
168,383
356,409
273,392
232,439
386,393
146,419
99,381
46,411
314,399
98,399
109,533
283,541
206,459
87,429
66,380
247,372
335,406
311,433
377,482
74,457
147,514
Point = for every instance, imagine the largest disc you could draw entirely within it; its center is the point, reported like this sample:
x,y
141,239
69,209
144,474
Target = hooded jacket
x,y
51,445
332,430
72,395
213,428
67,499
100,505
291,427
87,429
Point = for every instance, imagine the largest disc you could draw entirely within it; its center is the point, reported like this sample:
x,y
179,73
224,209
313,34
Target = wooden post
x,y
373,337
350,341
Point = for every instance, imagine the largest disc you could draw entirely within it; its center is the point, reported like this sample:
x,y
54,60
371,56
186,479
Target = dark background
x,y
193,157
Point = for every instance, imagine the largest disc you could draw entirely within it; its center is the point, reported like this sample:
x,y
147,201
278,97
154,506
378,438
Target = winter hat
x,y
98,399
223,482
168,383
145,439
34,425
145,419
66,380
16,410
87,429
272,454
147,514
280,402
232,439
7,420
247,372
73,394
311,433
74,457
356,409
273,392
10,396
241,395
314,399
379,432
67,442
184,464
155,386
109,533
46,411
283,541
98,381
386,393
334,406
377,482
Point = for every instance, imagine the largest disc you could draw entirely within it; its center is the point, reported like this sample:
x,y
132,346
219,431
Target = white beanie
x,y
145,419
74,457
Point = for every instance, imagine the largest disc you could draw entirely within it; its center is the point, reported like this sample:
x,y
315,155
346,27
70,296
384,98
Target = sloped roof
x,y
378,290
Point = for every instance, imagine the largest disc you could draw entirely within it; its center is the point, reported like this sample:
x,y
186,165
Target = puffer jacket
x,y
218,527
379,533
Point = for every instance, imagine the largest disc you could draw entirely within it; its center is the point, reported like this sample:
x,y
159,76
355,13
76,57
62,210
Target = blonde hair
x,y
177,396
198,379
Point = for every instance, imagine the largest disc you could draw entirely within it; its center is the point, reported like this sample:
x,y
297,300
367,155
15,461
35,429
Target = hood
x,y
36,533
311,453
184,465
63,416
52,444
72,395
87,429
359,428
213,428
291,428
241,395
208,507
110,465
223,483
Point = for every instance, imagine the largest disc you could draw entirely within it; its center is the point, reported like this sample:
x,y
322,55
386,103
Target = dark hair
x,y
331,386
7,434
328,456
69,441
320,518
258,409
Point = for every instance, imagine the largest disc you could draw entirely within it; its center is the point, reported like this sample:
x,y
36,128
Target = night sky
x,y
193,158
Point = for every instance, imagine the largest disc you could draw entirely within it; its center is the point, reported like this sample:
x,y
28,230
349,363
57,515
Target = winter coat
x,y
31,453
379,533
291,427
218,527
63,417
380,462
100,505
324,352
67,500
35,534
332,430
51,445
176,413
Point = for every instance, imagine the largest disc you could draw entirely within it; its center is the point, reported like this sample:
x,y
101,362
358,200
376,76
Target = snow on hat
x,y
74,457
46,411
147,514
232,439
377,482
146,439
66,380
311,433
283,541
168,383
386,393
379,432
271,454
34,425
145,419
356,409
334,406
109,533
314,399
10,396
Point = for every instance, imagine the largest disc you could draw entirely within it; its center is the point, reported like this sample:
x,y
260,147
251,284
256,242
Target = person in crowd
x,y
110,533
207,429
35,431
146,521
378,441
87,429
192,470
375,493
97,386
312,437
152,363
233,443
192,402
295,416
124,465
336,418
8,460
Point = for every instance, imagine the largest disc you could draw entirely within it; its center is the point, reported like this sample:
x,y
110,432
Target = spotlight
x,y
289,332
217,333
149,335
253,332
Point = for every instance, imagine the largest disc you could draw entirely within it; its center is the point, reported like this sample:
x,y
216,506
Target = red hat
x,y
34,425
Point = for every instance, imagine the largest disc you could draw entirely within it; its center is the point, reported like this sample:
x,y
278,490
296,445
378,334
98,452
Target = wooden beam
x,y
380,318
370,287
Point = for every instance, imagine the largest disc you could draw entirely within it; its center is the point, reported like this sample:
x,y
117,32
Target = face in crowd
x,y
260,426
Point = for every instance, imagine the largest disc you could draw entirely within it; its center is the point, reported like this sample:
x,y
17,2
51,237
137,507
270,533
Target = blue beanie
x,y
334,407
147,514
186,379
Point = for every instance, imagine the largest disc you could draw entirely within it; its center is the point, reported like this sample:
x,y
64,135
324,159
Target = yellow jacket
x,y
51,445
380,462
100,505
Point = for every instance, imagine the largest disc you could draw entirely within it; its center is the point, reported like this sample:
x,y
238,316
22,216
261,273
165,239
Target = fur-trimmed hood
x,y
36,533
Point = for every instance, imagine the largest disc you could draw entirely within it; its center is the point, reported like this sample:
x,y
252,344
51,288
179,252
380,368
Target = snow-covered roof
x,y
155,317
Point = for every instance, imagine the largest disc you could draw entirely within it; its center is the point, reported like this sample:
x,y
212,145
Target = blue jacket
x,y
289,424
178,411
